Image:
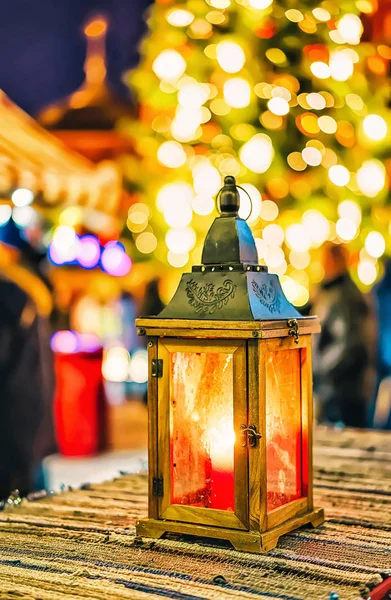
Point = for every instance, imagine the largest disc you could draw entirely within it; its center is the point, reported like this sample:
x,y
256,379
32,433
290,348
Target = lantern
x,y
230,399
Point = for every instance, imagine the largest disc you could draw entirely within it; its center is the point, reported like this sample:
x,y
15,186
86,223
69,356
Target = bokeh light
x,y
22,197
138,367
367,272
346,229
375,127
230,56
114,259
375,244
258,153
5,214
116,364
169,65
237,92
171,154
297,237
88,253
371,177
339,175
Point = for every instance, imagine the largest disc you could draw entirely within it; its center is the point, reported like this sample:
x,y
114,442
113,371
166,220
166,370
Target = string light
x,y
212,112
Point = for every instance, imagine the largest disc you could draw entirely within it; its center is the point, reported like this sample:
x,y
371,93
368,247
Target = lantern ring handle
x,y
245,191
251,202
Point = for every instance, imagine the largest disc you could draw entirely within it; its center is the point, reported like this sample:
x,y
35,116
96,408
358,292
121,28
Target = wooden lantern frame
x,y
250,527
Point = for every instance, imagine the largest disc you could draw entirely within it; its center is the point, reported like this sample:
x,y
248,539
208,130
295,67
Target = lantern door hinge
x,y
157,486
157,367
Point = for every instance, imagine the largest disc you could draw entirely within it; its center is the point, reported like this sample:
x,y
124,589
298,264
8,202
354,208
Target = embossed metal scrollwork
x,y
206,298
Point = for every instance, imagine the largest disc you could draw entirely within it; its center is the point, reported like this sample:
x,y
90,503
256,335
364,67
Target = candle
x,y
221,441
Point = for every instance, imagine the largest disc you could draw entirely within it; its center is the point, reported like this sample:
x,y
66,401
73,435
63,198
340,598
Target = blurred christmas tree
x,y
287,97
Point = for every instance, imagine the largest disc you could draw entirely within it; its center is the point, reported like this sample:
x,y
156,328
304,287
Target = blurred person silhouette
x,y
382,405
344,350
151,306
26,366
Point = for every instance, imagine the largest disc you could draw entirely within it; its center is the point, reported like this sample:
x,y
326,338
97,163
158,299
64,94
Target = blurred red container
x,y
79,406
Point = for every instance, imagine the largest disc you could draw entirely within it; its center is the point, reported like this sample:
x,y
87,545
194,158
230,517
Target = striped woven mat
x,y
81,544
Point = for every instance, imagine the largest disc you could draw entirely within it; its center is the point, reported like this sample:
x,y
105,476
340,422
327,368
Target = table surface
x,y
81,544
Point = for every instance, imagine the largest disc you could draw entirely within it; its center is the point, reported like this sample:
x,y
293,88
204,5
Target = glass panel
x,y
283,427
202,430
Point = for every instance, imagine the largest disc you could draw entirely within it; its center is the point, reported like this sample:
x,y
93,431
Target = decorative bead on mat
x,y
333,596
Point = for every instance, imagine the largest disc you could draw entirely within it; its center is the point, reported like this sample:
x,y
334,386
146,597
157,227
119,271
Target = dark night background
x,y
43,46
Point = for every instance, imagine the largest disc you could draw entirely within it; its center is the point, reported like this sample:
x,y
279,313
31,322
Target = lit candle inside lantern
x,y
221,441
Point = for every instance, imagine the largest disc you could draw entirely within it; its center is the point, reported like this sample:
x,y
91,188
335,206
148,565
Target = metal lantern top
x,y
230,284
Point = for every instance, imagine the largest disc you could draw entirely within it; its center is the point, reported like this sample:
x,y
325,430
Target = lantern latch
x,y
294,329
157,367
157,486
250,435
